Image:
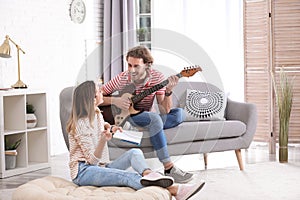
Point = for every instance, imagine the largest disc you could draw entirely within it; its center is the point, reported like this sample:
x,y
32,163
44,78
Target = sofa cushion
x,y
194,131
205,130
51,187
204,105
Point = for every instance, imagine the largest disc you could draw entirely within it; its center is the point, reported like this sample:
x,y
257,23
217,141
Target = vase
x,y
31,120
283,141
10,159
283,154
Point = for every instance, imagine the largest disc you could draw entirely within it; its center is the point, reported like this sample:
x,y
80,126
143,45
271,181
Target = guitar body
x,y
108,113
116,116
121,117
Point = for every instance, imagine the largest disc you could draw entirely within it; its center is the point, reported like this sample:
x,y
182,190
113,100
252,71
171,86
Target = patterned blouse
x,y
84,142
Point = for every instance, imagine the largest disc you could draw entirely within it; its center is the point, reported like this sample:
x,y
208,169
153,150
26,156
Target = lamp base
x,y
19,85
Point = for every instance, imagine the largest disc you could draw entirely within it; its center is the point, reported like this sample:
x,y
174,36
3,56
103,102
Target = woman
x,y
89,158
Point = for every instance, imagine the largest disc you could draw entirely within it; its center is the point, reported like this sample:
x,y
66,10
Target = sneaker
x,y
156,179
186,191
179,175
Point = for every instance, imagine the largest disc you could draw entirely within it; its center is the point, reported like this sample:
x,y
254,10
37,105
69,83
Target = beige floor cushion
x,y
51,187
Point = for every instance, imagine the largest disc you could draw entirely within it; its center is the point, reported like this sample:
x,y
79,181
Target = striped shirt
x,y
120,82
84,142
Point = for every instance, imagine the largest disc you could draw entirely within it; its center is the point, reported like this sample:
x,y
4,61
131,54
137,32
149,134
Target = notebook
x,y
134,137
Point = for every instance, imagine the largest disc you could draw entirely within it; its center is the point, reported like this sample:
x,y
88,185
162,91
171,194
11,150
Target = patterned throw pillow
x,y
204,105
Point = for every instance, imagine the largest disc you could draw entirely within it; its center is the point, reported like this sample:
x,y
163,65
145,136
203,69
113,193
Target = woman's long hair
x,y
82,105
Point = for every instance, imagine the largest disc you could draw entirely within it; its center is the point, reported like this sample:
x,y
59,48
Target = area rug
x,y
6,194
270,180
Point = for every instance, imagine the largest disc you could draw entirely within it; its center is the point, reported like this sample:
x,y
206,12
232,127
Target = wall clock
x,y
77,11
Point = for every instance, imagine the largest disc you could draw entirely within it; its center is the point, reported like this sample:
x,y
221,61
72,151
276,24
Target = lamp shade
x,y
5,49
5,53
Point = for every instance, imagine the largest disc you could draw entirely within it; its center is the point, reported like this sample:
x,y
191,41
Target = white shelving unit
x,y
33,152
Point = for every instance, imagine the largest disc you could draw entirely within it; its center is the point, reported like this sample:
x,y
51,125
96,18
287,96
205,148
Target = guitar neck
x,y
137,98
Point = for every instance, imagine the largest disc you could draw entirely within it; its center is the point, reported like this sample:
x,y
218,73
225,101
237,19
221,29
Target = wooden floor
x,y
59,165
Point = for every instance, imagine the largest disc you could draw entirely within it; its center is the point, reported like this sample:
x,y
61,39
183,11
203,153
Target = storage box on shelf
x,y
33,152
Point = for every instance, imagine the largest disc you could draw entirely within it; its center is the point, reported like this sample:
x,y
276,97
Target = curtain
x,y
118,35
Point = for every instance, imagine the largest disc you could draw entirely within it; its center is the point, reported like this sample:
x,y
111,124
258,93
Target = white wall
x,y
54,47
214,25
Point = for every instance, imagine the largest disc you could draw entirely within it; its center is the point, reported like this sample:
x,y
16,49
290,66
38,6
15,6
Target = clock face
x,y
77,11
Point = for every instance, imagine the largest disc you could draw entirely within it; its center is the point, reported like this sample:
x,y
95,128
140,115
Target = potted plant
x,y
284,100
143,34
11,153
31,119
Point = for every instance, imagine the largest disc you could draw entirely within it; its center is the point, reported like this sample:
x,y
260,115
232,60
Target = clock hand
x,y
80,11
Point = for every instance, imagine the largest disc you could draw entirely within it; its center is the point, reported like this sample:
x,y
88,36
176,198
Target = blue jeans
x,y
155,124
114,173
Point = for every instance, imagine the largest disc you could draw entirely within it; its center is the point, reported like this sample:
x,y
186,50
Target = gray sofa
x,y
190,137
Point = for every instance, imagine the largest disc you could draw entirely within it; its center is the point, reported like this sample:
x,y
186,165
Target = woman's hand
x,y
109,131
106,135
114,129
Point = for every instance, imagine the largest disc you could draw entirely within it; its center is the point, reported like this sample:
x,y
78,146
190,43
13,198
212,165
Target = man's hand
x,y
173,80
122,102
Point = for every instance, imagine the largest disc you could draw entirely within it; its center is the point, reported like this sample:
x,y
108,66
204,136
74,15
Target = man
x,y
143,77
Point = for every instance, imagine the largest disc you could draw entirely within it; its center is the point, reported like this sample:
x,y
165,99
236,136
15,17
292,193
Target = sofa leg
x,y
205,160
238,154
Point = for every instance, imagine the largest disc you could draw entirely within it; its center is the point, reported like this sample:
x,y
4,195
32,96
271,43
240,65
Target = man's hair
x,y
140,52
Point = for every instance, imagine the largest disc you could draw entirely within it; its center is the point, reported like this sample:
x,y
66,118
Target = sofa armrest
x,y
65,107
245,112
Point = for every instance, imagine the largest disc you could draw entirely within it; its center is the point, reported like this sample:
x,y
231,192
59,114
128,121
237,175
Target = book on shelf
x,y
134,137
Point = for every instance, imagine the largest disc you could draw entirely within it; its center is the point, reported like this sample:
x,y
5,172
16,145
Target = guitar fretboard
x,y
137,98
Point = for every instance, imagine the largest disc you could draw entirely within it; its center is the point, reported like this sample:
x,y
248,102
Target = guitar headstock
x,y
190,71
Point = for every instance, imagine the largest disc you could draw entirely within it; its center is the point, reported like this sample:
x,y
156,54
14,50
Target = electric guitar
x,y
114,115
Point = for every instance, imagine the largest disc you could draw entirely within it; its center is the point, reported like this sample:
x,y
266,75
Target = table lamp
x,y
5,53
